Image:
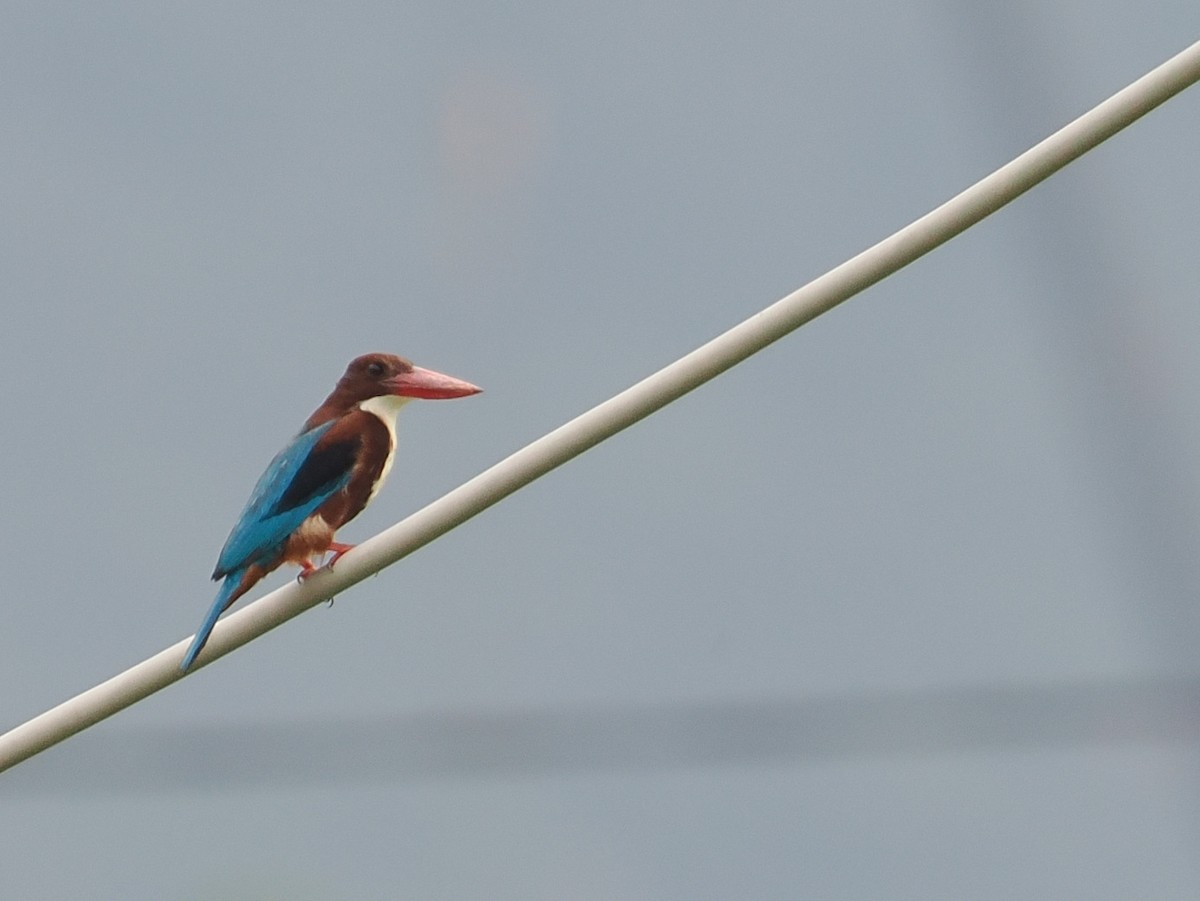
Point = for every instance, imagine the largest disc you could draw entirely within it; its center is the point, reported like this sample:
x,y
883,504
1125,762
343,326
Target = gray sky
x,y
904,607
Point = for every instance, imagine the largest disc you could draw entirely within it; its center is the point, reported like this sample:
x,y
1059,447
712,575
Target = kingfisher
x,y
323,479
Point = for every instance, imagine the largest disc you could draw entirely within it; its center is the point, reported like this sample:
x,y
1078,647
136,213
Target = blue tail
x,y
228,587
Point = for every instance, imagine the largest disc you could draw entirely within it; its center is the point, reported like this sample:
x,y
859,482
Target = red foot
x,y
307,568
338,549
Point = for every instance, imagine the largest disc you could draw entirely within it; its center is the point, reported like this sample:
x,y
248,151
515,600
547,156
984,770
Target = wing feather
x,y
302,476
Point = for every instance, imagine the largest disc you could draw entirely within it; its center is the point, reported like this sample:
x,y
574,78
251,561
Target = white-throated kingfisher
x,y
323,478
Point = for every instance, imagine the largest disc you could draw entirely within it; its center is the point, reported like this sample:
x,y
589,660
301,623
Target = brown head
x,y
377,375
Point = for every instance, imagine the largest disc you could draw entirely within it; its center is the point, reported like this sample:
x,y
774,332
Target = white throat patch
x,y
385,408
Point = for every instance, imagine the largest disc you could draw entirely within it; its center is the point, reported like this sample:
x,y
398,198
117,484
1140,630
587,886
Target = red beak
x,y
429,385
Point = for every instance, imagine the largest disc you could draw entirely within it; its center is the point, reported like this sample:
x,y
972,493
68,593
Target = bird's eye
x,y
375,370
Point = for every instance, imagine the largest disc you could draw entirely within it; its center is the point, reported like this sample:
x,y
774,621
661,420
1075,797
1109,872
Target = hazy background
x,y
905,607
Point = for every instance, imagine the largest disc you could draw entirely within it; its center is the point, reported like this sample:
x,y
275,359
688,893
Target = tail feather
x,y
226,595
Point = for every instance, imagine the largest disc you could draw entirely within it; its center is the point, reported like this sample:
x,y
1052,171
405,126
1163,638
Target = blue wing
x,y
298,481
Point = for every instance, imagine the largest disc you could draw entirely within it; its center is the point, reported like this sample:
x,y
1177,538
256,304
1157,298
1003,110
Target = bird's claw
x,y
338,551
